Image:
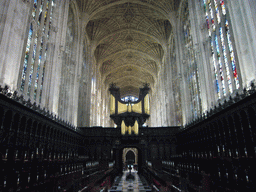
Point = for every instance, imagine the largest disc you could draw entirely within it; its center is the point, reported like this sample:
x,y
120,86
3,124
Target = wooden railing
x,y
39,150
216,152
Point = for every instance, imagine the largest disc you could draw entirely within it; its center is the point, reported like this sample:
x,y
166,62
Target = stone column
x,y
4,4
51,89
12,36
243,26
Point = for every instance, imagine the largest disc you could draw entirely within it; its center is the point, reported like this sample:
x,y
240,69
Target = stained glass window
x,y
223,57
129,98
191,68
36,49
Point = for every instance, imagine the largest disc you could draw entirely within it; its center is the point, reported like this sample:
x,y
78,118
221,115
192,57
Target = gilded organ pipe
x,y
129,107
129,130
112,105
146,104
136,128
123,128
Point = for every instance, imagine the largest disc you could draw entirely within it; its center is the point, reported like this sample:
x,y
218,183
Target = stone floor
x,y
124,184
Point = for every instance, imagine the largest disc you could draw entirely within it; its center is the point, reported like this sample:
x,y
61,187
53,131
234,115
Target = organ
x,y
129,115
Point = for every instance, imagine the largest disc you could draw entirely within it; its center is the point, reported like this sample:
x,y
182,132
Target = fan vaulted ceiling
x,y
129,39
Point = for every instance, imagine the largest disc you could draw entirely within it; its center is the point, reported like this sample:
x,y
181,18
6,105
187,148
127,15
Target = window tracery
x,y
191,69
35,56
175,82
223,56
129,98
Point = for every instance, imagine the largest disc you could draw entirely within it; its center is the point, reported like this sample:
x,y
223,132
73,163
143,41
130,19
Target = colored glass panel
x,y
217,11
192,70
225,60
36,49
221,47
25,64
223,7
220,65
232,55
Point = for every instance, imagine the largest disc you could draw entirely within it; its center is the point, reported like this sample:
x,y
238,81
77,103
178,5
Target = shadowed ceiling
x,y
129,39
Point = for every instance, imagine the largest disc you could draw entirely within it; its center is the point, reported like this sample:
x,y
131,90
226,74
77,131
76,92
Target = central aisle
x,y
124,184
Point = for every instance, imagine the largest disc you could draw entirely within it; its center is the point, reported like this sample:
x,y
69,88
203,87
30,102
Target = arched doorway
x,y
121,155
131,151
130,156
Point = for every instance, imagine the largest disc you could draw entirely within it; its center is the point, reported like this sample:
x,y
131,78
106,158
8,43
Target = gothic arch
x,y
134,150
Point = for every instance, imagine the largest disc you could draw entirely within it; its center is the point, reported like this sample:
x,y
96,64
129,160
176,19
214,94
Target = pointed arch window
x,y
34,63
223,56
192,68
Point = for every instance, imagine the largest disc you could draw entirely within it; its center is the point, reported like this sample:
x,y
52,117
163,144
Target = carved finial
x,y
211,111
146,85
28,103
44,111
112,85
34,106
231,100
252,88
15,95
207,114
38,107
22,100
215,109
5,90
220,107
48,113
245,93
252,85
237,97
9,94
225,103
